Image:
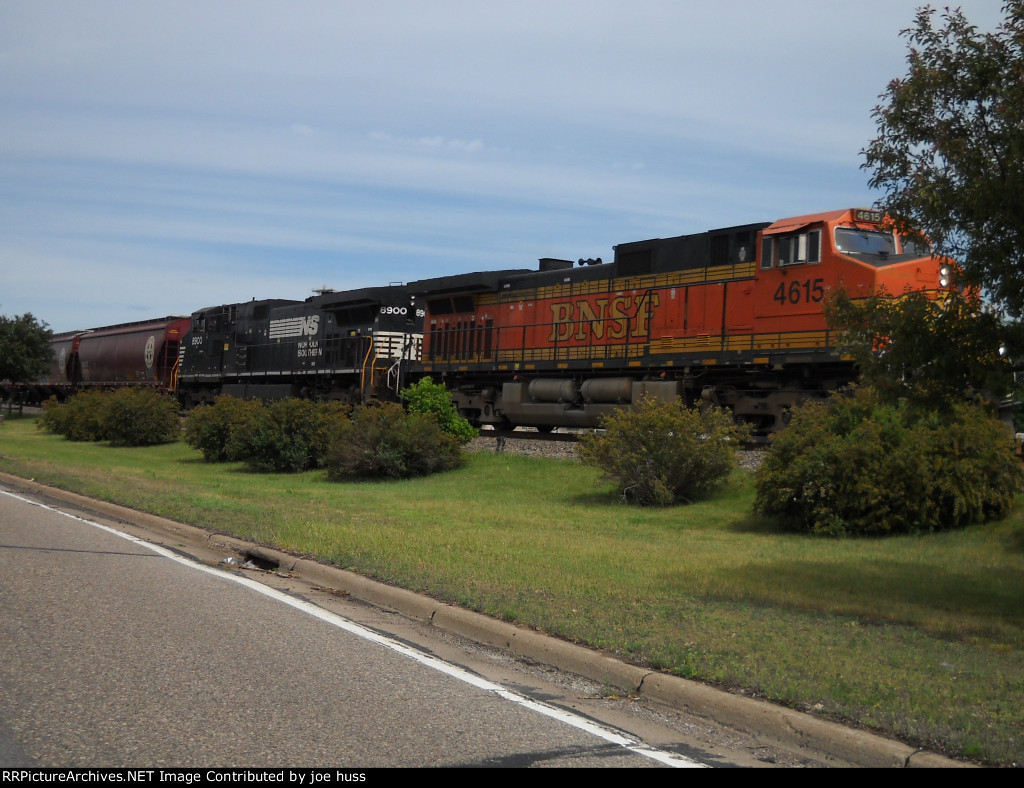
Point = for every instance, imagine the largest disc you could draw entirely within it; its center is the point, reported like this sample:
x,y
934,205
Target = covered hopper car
x,y
142,353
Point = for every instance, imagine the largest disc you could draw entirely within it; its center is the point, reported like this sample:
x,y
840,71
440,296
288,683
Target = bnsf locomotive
x,y
731,317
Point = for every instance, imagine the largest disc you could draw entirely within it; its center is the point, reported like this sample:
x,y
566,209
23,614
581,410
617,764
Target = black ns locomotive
x,y
354,346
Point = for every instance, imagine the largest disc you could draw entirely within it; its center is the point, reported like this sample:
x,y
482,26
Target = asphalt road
x,y
115,655
125,641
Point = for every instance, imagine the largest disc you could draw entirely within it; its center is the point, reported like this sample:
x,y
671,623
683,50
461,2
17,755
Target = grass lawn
x,y
914,636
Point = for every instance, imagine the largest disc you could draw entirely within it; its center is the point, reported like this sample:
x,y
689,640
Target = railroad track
x,y
562,445
521,433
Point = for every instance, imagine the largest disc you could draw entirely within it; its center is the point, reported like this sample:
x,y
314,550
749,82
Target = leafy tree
x,y
930,352
949,154
25,352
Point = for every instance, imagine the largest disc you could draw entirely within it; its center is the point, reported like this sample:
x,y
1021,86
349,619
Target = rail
x,y
566,435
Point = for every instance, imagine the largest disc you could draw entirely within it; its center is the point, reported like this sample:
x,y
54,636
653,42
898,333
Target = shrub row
x,y
283,436
387,441
856,465
125,417
293,435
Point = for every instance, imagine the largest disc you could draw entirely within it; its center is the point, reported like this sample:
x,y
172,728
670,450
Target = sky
x,y
164,156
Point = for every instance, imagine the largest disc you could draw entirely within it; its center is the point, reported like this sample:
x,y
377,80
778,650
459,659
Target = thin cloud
x,y
166,156
434,142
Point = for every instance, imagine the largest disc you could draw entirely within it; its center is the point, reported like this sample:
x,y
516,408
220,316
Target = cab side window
x,y
794,249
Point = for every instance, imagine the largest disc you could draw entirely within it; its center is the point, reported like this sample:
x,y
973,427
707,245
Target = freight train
x,y
732,317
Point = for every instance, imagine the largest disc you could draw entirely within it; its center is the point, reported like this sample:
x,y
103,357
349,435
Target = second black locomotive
x,y
353,347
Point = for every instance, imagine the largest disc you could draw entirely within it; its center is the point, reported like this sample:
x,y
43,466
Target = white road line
x,y
666,758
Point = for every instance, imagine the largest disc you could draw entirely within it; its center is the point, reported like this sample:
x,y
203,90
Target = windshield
x,y
850,240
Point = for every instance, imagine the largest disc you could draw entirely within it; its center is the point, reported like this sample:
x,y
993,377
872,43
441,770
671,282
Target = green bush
x,y
662,453
288,435
54,417
82,418
429,397
386,441
858,465
213,429
125,417
141,417
86,418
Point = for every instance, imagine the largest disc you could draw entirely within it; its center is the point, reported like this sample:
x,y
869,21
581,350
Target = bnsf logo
x,y
602,318
294,327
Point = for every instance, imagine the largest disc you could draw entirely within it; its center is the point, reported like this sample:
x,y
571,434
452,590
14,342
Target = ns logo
x,y
295,327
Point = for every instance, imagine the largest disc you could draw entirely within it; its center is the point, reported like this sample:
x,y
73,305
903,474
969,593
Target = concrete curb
x,y
825,741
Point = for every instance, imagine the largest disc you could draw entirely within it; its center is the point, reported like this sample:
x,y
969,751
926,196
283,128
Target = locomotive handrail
x,y
374,367
396,376
362,373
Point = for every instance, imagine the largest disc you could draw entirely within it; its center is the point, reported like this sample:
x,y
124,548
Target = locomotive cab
x,y
804,258
375,334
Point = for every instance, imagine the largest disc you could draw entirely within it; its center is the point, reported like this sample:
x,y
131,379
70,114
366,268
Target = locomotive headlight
x,y
944,273
944,282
